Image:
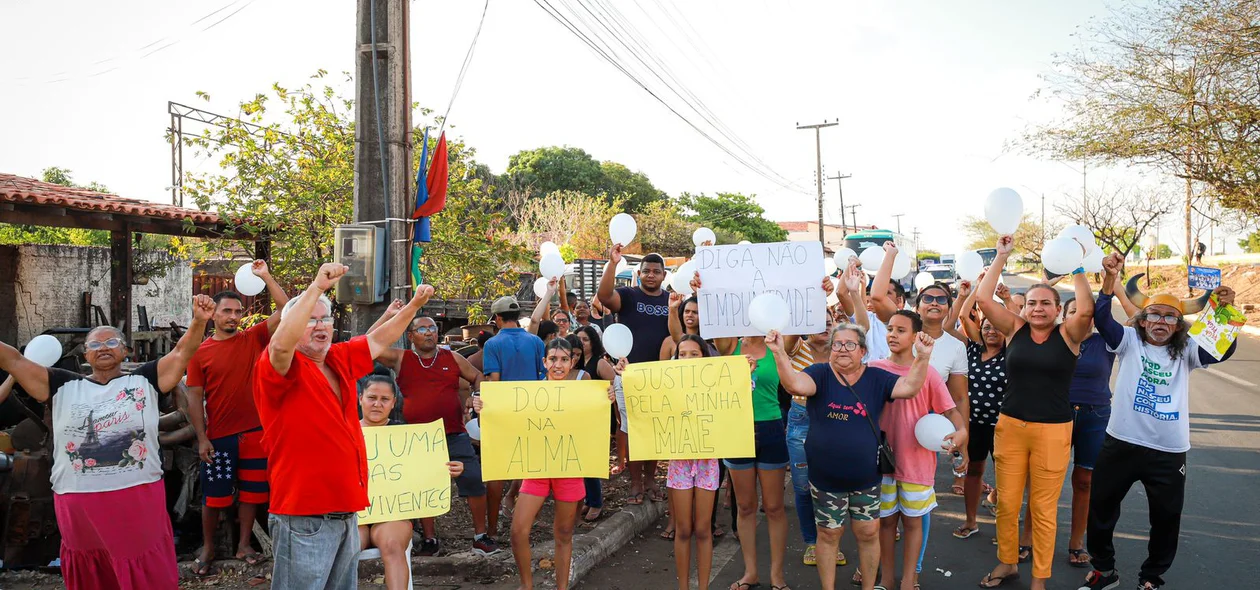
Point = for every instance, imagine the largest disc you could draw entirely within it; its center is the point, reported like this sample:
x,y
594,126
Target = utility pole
x,y
839,178
898,218
853,215
817,127
382,181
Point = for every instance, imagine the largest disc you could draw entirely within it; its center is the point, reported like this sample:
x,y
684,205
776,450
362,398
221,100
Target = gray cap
x,y
504,305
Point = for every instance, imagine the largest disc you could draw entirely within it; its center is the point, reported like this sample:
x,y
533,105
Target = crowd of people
x,y
1023,379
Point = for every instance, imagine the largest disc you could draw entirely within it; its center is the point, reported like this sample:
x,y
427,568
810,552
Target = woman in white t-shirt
x,y
107,471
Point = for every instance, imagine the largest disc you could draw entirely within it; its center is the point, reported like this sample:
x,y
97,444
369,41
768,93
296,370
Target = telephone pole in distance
x,y
817,127
839,178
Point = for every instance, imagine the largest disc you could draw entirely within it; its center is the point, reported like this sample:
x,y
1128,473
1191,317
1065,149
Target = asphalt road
x,y
1220,529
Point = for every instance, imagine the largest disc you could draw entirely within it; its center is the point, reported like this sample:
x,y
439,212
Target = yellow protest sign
x,y
407,473
690,409
542,429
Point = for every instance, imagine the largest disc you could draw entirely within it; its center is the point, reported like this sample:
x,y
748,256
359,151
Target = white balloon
x,y
551,266
682,278
1004,209
474,428
618,341
931,431
924,280
622,265
540,287
829,267
1093,261
702,235
1062,255
548,247
833,299
622,229
668,280
43,350
745,243
248,283
871,259
1081,234
969,265
901,266
842,256
768,311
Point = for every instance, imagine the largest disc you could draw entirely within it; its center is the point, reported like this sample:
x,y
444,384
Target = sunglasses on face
x,y
97,344
844,346
1163,319
426,330
326,320
937,299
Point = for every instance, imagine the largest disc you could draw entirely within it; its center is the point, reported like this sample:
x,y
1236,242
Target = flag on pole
x,y
420,229
438,181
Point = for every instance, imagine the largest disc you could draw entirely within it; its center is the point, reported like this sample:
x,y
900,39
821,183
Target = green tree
x,y
928,255
633,187
295,180
1251,243
70,236
1163,251
1029,237
546,170
663,229
734,214
568,218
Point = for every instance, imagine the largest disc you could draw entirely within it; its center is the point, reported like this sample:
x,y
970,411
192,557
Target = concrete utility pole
x,y
898,218
382,189
853,215
817,127
840,189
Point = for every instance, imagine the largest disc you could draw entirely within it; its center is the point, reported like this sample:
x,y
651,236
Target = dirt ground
x,y
1243,278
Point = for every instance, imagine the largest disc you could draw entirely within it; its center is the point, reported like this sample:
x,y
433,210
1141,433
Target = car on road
x,y
944,273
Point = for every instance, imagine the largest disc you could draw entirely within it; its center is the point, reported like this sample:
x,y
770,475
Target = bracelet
x,y
1079,271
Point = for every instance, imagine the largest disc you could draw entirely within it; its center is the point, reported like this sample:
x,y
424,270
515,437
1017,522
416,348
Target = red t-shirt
x,y
225,368
315,451
432,393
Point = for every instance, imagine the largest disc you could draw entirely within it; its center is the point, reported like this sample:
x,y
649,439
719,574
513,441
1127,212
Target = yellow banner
x,y
690,409
407,474
543,429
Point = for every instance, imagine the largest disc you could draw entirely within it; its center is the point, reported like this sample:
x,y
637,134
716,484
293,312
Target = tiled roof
x,y
18,189
794,225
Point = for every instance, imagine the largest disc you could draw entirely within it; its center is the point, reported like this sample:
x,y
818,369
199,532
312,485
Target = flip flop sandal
x,y
718,532
963,532
745,585
598,512
988,581
667,535
957,490
252,558
636,499
200,568
657,496
1074,558
1025,553
856,580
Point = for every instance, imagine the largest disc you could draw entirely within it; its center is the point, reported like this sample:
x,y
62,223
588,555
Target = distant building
x,y
833,233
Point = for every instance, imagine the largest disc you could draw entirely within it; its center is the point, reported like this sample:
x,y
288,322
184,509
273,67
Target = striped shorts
x,y
910,499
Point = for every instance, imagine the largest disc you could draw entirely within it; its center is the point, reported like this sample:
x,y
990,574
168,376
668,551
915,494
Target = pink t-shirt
x,y
915,464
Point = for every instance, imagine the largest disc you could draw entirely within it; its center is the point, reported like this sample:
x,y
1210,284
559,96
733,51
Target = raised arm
x,y
675,324
278,296
853,279
1003,319
607,293
883,304
1111,330
957,311
966,316
1081,325
795,383
283,344
912,383
544,304
382,338
1130,310
32,377
171,367
395,306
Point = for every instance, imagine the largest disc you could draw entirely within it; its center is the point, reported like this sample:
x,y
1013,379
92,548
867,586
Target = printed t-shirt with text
x,y
647,316
104,434
1151,404
842,451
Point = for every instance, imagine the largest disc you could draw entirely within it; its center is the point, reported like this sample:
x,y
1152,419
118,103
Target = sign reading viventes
x,y
732,276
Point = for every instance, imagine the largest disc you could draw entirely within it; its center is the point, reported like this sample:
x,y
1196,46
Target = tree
x,y
1119,218
929,255
294,179
633,187
732,213
1251,243
664,230
1029,237
545,170
568,218
70,236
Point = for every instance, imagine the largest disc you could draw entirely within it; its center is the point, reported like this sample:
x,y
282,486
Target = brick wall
x,y
47,285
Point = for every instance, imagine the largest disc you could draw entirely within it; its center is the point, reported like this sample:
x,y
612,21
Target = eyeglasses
x,y
426,330
987,328
1163,319
937,299
844,346
97,344
326,320
560,319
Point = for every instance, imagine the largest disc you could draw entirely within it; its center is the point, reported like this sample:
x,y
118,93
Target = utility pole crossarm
x,y
817,127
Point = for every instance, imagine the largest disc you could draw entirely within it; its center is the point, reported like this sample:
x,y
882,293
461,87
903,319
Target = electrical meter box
x,y
362,248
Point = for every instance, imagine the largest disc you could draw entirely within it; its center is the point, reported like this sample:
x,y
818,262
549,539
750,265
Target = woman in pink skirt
x,y
107,472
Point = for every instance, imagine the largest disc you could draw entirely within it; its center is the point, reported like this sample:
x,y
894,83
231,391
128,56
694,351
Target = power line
x,y
463,68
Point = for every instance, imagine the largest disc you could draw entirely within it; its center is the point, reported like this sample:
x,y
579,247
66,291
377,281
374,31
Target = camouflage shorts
x,y
832,510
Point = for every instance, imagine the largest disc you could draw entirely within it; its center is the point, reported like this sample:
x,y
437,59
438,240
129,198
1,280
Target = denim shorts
x,y
1089,429
469,482
770,439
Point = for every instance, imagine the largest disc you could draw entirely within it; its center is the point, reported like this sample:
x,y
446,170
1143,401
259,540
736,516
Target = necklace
x,y
421,359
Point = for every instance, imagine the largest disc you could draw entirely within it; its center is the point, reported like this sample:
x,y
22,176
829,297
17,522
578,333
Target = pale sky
x,y
927,93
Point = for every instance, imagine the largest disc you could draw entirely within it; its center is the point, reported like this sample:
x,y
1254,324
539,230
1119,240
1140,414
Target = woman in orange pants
x,y
1034,431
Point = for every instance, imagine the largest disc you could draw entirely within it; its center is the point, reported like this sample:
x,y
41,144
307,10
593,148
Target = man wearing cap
x,y
512,354
1149,431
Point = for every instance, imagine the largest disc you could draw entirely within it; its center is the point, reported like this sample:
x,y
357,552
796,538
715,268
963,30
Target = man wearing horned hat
x,y
1149,431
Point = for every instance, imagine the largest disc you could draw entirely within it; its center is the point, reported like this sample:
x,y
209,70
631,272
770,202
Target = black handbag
x,y
887,465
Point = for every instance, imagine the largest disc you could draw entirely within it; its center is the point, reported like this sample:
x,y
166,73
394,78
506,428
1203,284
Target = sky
x,y
928,95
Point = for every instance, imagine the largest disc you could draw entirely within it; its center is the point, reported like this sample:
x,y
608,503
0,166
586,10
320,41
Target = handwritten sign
x,y
1204,277
407,474
733,275
541,429
690,409
1217,327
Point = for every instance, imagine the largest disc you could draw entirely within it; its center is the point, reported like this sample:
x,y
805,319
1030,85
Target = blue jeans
x,y
594,492
797,429
1089,429
312,552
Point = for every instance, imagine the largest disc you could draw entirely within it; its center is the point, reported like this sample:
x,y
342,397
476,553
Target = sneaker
x,y
484,546
809,558
840,560
1148,585
1096,580
430,548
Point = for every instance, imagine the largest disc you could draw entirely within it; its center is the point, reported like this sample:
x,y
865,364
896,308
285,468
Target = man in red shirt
x,y
229,434
304,386
429,378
